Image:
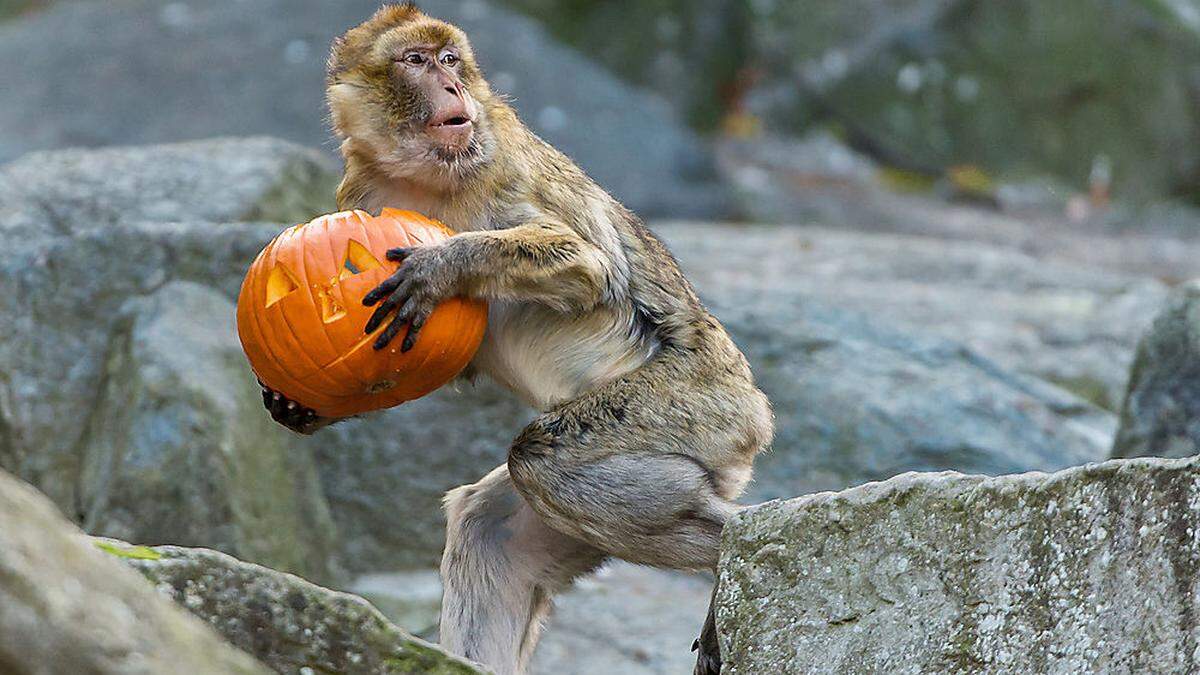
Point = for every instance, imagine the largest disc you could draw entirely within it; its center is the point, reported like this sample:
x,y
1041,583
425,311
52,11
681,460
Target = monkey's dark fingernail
x,y
311,413
277,396
291,405
397,254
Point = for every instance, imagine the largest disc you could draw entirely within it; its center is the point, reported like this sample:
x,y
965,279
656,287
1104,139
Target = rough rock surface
x,y
289,624
1072,324
1161,414
65,607
177,450
125,396
153,71
1093,569
216,180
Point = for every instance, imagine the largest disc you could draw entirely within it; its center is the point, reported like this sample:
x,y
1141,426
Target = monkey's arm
x,y
543,261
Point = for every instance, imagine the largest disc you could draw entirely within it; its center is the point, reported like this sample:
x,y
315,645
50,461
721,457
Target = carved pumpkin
x,y
300,316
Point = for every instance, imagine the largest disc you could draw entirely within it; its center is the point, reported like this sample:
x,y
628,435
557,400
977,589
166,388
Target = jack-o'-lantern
x,y
300,316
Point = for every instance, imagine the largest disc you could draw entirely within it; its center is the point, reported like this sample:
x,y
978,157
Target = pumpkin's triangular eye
x,y
358,260
280,283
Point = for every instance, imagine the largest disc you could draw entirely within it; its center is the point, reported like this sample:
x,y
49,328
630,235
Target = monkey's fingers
x,y
397,298
398,254
388,333
414,327
377,317
384,289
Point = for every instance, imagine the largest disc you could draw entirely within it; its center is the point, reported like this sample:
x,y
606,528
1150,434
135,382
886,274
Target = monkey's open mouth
x,y
453,133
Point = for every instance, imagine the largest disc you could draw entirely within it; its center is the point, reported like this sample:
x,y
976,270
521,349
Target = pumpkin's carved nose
x,y
331,309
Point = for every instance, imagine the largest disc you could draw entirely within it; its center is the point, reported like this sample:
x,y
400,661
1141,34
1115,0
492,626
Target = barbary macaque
x,y
649,417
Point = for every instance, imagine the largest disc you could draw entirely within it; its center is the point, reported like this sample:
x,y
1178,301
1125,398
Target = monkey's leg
x,y
500,569
645,467
708,657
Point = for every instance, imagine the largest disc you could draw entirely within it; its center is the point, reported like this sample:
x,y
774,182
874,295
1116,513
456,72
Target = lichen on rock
x,y
286,622
1091,569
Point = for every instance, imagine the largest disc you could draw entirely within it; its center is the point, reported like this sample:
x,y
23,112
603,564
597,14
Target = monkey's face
x,y
406,86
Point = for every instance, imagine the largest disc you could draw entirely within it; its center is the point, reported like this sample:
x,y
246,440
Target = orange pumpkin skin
x,y
300,316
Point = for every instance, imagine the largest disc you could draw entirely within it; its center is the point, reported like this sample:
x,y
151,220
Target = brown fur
x,y
650,417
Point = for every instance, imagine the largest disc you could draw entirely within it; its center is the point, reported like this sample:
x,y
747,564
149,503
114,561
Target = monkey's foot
x,y
289,413
708,658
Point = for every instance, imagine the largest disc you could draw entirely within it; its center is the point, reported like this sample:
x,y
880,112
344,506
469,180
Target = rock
x,y
65,607
843,332
153,71
1071,324
126,397
818,180
1162,407
177,448
1089,570
220,181
930,84
289,624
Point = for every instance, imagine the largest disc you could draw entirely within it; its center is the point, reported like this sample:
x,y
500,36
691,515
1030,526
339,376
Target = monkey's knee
x,y
475,513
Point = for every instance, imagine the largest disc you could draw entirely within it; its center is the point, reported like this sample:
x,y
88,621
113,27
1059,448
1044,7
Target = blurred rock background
x,y
938,228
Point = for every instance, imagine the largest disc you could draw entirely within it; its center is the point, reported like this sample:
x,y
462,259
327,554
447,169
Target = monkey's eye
x,y
450,59
413,59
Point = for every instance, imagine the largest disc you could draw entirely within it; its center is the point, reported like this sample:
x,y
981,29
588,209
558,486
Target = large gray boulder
x,y
66,607
153,71
126,397
1088,570
1161,414
217,180
289,624
177,448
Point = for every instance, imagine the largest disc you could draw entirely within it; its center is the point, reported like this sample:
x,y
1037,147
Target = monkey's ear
x,y
409,6
334,65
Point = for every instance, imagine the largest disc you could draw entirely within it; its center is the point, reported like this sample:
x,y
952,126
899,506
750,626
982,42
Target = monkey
x,y
648,417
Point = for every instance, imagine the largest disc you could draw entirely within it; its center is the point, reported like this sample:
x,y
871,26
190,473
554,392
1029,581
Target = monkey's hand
x,y
291,414
424,279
